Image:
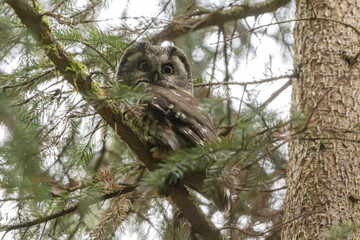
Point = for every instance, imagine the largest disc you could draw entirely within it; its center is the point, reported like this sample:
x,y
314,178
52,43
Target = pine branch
x,y
73,72
91,47
29,81
185,24
266,80
77,207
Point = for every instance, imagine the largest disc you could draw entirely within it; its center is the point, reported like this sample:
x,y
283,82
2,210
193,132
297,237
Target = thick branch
x,y
185,24
74,73
84,203
180,196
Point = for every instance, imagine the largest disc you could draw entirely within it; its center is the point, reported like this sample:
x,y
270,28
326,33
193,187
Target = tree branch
x,y
77,207
276,94
258,234
259,190
182,25
295,20
28,81
266,80
181,197
74,73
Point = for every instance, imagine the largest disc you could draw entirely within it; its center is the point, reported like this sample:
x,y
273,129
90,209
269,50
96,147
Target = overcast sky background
x,y
253,70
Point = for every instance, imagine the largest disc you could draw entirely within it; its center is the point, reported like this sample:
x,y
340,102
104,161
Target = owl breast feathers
x,y
179,118
173,117
168,115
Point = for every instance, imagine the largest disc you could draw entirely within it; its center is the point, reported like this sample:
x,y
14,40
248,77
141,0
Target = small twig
x,y
146,219
295,20
214,64
269,230
258,190
28,81
227,74
74,208
16,199
23,235
151,23
245,83
283,38
89,46
276,94
229,135
43,231
36,95
203,19
330,138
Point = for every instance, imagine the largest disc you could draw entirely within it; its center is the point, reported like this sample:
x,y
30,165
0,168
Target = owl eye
x,y
167,69
144,66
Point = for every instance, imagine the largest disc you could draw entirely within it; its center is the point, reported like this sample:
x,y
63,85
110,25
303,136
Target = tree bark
x,y
323,177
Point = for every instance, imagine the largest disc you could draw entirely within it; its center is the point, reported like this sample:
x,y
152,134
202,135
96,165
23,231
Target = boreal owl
x,y
173,117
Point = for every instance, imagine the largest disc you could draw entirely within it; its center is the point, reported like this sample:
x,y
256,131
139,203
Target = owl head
x,y
151,64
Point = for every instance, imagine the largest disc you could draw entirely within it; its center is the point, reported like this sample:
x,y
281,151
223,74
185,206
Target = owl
x,y
171,118
174,116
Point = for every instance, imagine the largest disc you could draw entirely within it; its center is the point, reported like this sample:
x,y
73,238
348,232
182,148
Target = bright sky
x,y
253,70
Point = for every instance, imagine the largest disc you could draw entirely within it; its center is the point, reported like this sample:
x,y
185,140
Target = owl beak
x,y
156,76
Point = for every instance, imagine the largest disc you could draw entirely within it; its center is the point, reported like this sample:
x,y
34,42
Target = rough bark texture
x,y
323,178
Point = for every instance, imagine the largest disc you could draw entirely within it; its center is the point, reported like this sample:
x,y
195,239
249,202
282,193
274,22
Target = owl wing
x,y
179,118
173,118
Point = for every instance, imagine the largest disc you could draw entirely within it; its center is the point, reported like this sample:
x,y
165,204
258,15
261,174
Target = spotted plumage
x,y
175,118
169,116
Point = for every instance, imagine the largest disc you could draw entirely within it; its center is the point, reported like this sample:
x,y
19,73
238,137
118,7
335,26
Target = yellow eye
x,y
167,69
144,66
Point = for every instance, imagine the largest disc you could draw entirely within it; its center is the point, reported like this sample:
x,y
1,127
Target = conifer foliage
x,y
73,166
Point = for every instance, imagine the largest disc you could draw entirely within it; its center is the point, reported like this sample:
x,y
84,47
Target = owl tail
x,y
216,193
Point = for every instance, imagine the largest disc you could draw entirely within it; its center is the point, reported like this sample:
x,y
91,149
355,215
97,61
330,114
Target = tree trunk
x,y
323,174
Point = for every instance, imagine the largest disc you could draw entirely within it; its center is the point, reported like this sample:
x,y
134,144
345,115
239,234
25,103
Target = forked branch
x,y
183,25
